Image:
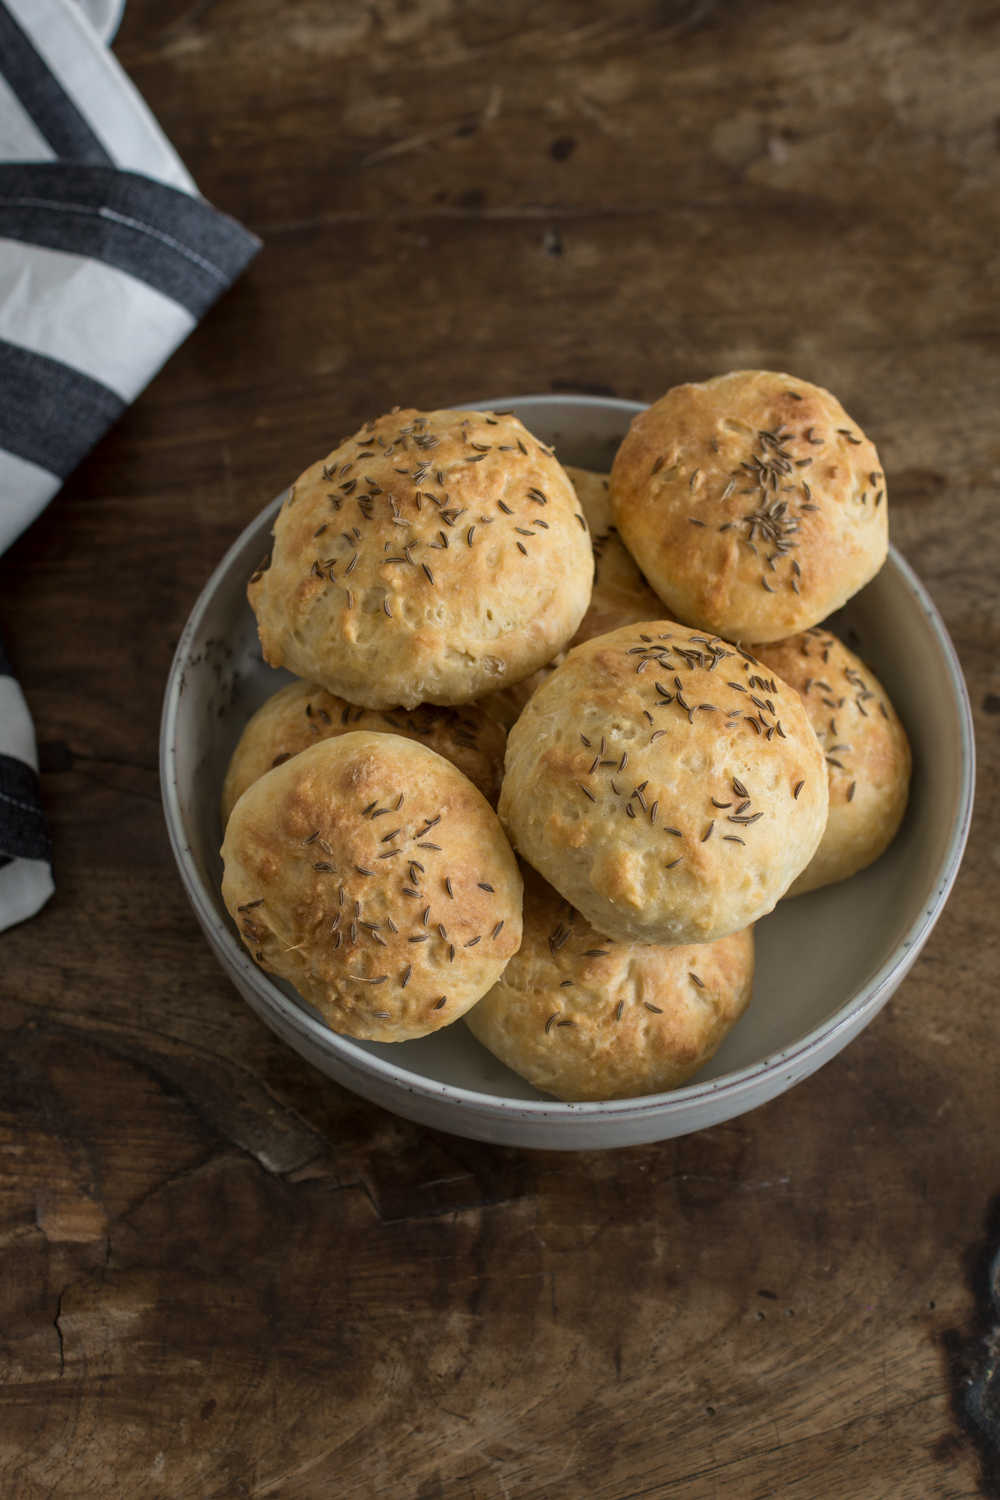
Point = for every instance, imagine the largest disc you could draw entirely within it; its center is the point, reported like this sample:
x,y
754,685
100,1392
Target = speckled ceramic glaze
x,y
826,962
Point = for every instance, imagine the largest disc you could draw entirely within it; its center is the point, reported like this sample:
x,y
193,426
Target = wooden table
x,y
223,1276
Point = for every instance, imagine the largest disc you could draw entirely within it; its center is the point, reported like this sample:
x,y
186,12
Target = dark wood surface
x,y
224,1276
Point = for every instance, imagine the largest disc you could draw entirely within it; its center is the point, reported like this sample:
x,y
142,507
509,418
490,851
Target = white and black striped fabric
x,y
25,853
108,259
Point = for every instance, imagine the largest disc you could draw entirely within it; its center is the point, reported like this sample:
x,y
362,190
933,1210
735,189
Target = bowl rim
x,y
850,1016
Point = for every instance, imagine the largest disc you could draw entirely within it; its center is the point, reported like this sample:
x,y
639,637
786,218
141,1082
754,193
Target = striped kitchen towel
x,y
25,854
108,259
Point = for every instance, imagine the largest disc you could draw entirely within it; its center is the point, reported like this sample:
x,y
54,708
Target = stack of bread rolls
x,y
560,739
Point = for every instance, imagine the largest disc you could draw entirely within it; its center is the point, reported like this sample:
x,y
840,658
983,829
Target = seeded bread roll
x,y
620,594
865,745
431,558
584,1017
303,713
752,503
372,875
664,785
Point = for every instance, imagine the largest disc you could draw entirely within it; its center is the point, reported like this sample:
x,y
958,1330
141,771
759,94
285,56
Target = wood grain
x,y
223,1275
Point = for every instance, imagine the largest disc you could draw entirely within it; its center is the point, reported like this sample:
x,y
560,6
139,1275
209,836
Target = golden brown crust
x,y
752,502
584,1017
431,558
372,875
507,705
303,713
652,780
620,594
866,749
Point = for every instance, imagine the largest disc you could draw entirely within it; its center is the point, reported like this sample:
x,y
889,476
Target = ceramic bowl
x,y
826,962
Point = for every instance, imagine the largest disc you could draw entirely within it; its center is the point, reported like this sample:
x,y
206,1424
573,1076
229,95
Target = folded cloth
x,y
108,259
26,860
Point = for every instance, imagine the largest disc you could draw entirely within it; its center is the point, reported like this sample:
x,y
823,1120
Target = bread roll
x,y
370,874
865,746
303,713
752,503
584,1017
431,558
665,785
